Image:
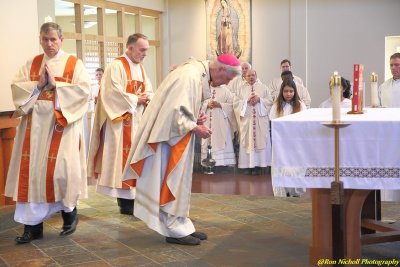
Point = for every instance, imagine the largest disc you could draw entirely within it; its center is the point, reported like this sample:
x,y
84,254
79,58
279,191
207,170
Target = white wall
x,y
184,32
19,41
318,36
270,36
344,32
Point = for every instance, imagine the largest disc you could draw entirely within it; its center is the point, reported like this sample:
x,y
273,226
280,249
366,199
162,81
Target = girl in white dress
x,y
288,102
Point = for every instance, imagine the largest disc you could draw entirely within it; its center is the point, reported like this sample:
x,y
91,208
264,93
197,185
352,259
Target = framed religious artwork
x,y
229,28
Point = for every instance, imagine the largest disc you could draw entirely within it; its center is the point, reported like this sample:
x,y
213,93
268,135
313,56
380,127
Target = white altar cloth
x,y
303,149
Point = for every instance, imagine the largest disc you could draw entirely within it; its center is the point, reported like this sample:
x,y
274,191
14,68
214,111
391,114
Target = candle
x,y
336,96
374,90
48,19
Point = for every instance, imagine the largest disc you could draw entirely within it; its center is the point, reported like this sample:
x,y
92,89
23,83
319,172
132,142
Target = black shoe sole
x,y
20,240
126,212
70,230
180,241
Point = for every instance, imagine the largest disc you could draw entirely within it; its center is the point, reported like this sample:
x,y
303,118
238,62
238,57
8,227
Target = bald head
x,y
245,67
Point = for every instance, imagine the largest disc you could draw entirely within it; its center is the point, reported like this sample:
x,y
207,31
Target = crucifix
x,y
126,149
67,79
33,76
25,155
51,157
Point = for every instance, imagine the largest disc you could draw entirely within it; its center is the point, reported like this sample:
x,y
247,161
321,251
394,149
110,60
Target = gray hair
x,y
246,63
134,37
237,70
51,26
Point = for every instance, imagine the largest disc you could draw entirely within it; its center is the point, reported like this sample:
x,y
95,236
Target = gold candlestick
x,y
374,90
374,77
336,96
337,198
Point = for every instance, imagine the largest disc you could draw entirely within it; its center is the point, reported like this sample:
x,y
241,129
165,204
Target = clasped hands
x,y
201,130
46,79
253,100
143,98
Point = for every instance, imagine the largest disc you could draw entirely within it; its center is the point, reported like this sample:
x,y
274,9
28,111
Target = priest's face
x,y
51,42
138,51
99,75
245,68
285,67
251,76
395,68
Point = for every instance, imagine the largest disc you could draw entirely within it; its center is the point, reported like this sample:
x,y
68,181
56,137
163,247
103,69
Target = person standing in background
x,y
94,92
275,85
251,105
239,80
389,97
221,120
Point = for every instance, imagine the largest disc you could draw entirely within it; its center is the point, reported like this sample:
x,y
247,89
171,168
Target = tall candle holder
x,y
374,90
337,189
336,96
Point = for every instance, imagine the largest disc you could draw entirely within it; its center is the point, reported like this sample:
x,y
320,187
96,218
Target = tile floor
x,y
243,231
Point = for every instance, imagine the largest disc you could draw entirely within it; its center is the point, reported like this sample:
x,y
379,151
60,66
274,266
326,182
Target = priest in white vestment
x,y
94,92
47,172
239,80
221,120
389,97
251,105
162,154
275,85
126,90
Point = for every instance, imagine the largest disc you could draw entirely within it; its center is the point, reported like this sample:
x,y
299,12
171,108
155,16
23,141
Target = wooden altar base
x,y
362,214
7,135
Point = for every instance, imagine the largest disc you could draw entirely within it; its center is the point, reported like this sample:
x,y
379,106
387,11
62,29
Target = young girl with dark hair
x,y
288,102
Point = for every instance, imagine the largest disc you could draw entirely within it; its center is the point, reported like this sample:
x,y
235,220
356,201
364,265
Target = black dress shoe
x,y
125,206
28,237
125,211
69,229
70,222
31,232
186,240
200,235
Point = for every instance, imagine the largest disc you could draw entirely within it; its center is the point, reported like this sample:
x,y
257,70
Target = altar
x,y
303,156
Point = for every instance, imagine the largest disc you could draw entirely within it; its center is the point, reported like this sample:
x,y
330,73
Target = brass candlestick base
x,y
335,124
356,112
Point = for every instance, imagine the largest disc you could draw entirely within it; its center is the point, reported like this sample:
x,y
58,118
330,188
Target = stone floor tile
x,y
80,258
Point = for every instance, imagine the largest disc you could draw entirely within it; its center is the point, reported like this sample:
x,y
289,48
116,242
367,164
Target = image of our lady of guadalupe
x,y
227,28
